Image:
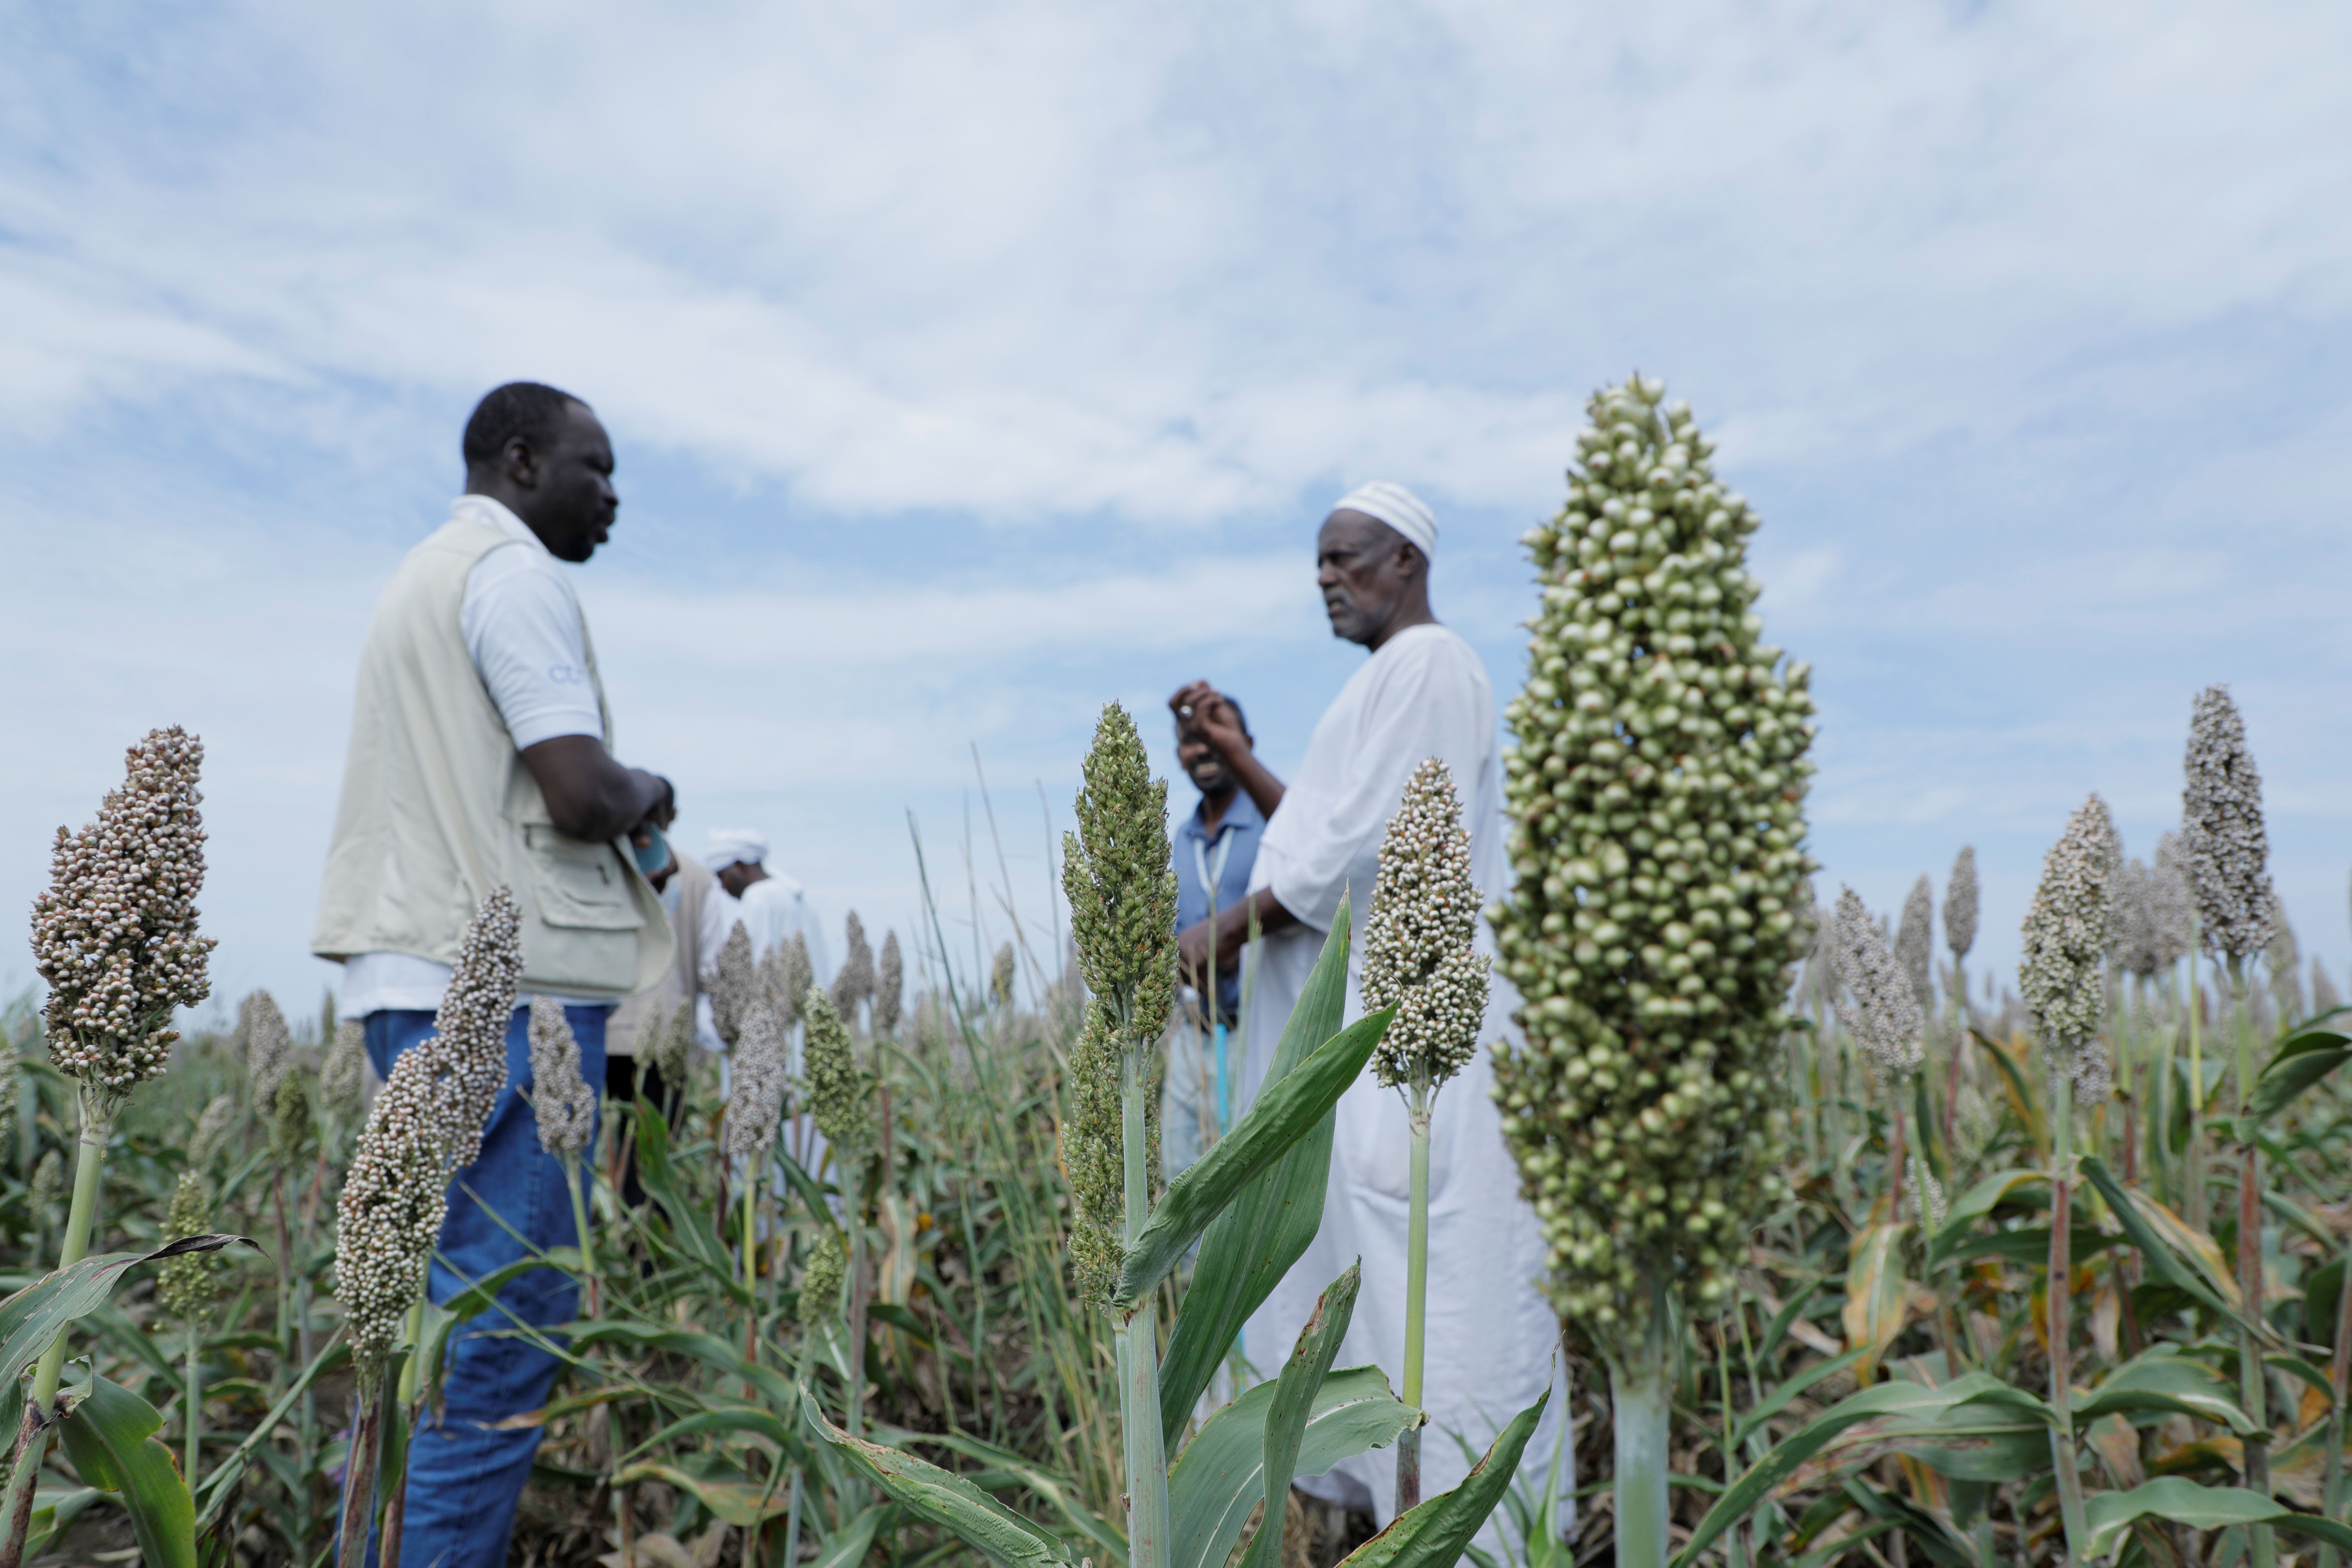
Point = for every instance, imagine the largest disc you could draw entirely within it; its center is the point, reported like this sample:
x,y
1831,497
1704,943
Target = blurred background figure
x,y
772,906
1215,848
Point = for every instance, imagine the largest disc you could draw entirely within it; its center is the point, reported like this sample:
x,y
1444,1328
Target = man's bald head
x,y
1375,581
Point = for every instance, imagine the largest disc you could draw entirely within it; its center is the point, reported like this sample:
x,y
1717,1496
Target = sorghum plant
x,y
1418,960
890,987
1657,789
1915,942
188,1285
854,984
1881,1008
755,1103
563,1108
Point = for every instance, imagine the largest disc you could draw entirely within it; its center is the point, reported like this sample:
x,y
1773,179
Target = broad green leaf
x,y
847,1547
2185,1255
34,1316
2024,1094
110,1435
2161,1378
1436,1534
733,1418
1294,1399
2303,1060
947,1500
54,1509
742,1503
811,1190
2201,1508
1247,1249
1772,1404
1282,1113
1218,1477
1898,1400
2029,1245
1987,1196
1017,1471
1878,1297
689,1222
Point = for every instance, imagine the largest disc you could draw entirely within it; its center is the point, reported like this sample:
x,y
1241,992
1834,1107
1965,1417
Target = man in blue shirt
x,y
1215,849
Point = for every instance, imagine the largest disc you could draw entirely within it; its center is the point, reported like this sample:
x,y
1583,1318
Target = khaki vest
x,y
682,981
438,807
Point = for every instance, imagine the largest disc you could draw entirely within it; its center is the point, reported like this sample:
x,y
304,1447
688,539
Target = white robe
x,y
1489,1342
771,910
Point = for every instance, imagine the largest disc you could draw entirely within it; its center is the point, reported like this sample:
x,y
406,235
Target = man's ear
x,y
1410,561
521,463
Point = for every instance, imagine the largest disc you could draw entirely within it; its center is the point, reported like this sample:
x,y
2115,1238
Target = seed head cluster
x,y
820,1278
215,1125
2172,908
755,1100
785,973
1880,1007
854,983
342,1079
189,1284
735,984
268,1046
2227,852
1915,942
1961,903
1417,956
673,1052
889,986
1121,887
562,1103
2066,941
290,1116
837,1090
425,1127
1657,792
114,936
1000,977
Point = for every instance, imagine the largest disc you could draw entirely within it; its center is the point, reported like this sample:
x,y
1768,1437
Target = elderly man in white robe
x,y
1490,1332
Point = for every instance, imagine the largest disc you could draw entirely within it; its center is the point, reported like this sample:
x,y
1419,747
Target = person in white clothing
x,y
1491,1334
771,905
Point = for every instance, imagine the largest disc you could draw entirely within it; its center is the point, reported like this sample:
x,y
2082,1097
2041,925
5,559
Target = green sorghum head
x,y
289,1115
189,1284
343,1080
837,1090
1417,939
821,1278
1658,797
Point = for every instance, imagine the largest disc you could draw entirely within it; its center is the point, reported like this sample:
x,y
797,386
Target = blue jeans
x,y
465,1479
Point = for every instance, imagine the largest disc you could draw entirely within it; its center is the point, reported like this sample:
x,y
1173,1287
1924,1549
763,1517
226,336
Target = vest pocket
x,y
581,886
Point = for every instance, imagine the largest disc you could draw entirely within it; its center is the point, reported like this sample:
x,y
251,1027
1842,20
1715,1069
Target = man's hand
x,y
591,796
1203,709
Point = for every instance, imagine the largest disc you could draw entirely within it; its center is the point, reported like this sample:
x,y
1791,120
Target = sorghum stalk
x,y
185,1286
1657,789
1418,959
2066,941
2339,1383
115,938
1121,888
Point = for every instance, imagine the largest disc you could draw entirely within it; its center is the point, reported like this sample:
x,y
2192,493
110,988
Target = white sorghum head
x,y
1960,902
562,1103
1417,939
1928,1202
48,1186
214,1125
187,1285
2132,933
798,974
675,1059
1915,941
2172,911
889,986
2284,959
2065,940
343,1080
114,935
467,1047
2228,853
755,1101
395,1197
854,983
1879,1009
735,984
269,1048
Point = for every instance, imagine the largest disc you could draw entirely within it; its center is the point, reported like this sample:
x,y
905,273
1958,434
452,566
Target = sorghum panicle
x,y
755,1100
2132,934
1091,1156
1915,942
889,986
735,984
837,1090
1656,792
269,1048
343,1080
290,1116
2227,852
562,1103
2172,909
1418,936
187,1285
114,936
2066,941
213,1126
854,983
821,1278
1961,903
798,974
394,1198
1880,1008
675,1059
467,1049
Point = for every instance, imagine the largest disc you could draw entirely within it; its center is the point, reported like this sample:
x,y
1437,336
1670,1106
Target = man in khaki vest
x,y
480,758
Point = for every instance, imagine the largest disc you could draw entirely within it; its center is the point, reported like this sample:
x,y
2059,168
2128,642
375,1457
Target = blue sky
x,y
970,366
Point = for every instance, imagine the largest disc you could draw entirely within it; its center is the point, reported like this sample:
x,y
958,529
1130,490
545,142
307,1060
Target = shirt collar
x,y
496,514
1239,812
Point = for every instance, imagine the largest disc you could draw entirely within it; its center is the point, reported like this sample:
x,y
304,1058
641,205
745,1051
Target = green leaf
x,y
1778,1328
1894,1400
847,1547
1282,1113
2303,1060
1218,1477
110,1435
2160,1378
2322,1289
732,1418
2027,1246
35,1315
2185,1256
1436,1534
1294,1399
2201,1508
742,1503
1247,1249
1772,1404
947,1500
687,1222
1045,1484
779,1391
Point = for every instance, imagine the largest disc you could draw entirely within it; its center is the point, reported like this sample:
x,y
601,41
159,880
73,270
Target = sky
x,y
972,366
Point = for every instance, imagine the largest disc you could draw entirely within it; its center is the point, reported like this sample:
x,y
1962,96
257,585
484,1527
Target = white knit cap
x,y
1396,506
733,845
